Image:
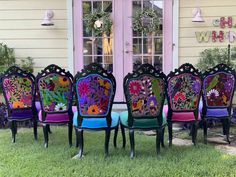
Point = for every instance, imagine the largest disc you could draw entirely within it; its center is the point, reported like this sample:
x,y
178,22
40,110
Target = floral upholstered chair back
x,y
18,88
218,86
95,90
55,89
145,91
184,88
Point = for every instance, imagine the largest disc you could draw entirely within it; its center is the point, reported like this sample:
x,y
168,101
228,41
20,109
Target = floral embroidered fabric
x,y
184,92
18,91
218,89
94,95
55,92
146,95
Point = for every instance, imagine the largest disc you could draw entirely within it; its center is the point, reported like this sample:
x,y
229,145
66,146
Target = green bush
x,y
7,59
211,57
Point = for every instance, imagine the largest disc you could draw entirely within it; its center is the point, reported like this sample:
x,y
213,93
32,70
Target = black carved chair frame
x,y
49,70
27,113
191,71
145,70
216,71
89,70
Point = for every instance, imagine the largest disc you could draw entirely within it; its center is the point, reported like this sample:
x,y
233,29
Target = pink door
x,y
124,49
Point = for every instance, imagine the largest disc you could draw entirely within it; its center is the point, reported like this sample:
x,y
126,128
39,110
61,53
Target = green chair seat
x,y
141,123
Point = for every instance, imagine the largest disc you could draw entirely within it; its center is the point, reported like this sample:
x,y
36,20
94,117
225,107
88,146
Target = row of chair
x,y
146,90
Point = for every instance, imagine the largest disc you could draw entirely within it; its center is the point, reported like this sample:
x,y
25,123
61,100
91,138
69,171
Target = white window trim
x,y
175,56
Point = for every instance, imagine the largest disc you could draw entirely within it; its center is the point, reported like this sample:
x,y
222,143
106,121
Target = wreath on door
x,y
146,21
99,23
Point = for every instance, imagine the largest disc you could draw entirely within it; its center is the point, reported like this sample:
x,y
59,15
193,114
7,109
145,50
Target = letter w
x,y
203,36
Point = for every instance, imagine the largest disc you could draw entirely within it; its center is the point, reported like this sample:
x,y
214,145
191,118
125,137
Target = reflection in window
x,y
97,49
148,48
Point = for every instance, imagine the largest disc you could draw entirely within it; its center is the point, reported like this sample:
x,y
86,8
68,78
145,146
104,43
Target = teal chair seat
x,y
141,123
96,123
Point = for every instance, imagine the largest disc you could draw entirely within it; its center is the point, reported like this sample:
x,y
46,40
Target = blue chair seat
x,y
96,123
141,123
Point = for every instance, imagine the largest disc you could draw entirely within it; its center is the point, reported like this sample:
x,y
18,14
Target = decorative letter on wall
x,y
203,36
223,22
215,36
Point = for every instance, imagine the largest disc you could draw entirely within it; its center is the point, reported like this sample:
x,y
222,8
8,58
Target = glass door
x,y
124,49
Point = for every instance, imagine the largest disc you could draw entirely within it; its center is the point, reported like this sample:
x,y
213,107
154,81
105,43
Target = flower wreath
x,y
146,21
99,22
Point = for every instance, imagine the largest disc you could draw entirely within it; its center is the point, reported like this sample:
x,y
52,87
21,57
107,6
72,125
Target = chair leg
x,y
49,129
132,144
194,133
77,138
13,130
123,135
107,139
35,124
45,133
162,137
224,123
205,130
158,140
115,136
170,133
81,142
70,130
227,130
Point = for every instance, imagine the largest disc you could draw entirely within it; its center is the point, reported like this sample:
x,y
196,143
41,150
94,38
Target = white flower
x,y
98,23
213,92
60,107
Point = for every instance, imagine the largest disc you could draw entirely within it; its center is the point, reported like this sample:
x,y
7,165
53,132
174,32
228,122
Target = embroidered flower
x,y
196,87
83,88
213,93
134,87
9,85
93,109
64,81
18,104
60,107
179,95
152,101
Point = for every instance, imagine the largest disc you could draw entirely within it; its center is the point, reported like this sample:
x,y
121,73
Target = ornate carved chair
x,y
218,91
54,86
95,90
19,92
145,91
184,92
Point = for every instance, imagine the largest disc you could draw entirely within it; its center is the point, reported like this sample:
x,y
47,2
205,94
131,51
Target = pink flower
x,y
83,88
134,87
9,85
179,95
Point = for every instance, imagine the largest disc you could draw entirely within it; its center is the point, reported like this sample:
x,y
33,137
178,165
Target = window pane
x,y
137,61
87,50
98,46
86,33
87,60
97,6
107,6
158,62
98,59
86,8
158,45
107,45
147,46
137,45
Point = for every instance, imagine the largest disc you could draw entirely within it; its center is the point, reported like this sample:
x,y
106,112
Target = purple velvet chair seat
x,y
56,118
217,112
181,116
21,114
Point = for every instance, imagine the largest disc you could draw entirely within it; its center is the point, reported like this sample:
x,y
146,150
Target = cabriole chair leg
x,y
132,144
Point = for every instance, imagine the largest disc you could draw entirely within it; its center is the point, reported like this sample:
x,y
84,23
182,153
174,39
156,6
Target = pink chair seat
x,y
56,118
181,116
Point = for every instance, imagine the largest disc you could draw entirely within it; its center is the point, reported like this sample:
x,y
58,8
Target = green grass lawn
x,y
29,158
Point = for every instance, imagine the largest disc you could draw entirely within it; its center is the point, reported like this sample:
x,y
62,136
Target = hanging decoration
x,y
98,22
146,21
